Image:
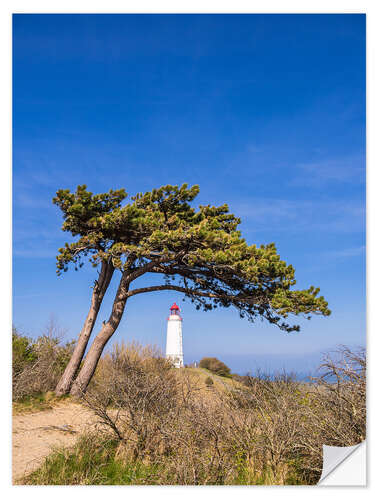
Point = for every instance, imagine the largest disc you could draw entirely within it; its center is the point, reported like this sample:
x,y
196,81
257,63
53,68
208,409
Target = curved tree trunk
x,y
66,381
92,358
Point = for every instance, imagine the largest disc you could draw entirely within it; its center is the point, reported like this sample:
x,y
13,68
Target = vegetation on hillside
x,y
37,365
216,366
160,425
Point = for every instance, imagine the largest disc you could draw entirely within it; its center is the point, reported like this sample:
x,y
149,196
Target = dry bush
x,y
335,406
342,393
134,392
265,426
269,431
284,423
159,416
39,364
199,440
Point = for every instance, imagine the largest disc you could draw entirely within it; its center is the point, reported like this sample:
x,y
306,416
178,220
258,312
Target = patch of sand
x,y
35,434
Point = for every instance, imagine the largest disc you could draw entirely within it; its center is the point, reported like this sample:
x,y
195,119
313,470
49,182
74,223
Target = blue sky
x,y
264,112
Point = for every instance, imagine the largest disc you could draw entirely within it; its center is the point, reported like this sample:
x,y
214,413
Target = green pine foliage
x,y
199,252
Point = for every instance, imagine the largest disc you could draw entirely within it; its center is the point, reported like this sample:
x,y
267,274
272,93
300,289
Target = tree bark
x,y
100,288
92,358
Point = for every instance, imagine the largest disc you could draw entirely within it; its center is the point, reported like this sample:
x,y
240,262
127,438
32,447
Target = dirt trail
x,y
35,434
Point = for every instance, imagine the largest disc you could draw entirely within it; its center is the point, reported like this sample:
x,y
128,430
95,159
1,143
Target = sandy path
x,y
34,434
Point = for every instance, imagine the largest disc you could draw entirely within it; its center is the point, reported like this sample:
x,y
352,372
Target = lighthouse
x,y
174,337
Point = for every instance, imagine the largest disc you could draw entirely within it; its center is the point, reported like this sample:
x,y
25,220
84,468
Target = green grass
x,y
203,373
93,461
36,402
90,462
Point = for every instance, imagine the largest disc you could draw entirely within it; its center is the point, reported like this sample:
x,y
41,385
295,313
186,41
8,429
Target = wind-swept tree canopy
x,y
198,251
82,213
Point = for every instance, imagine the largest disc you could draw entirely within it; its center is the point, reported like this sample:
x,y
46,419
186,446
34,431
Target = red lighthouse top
x,y
175,312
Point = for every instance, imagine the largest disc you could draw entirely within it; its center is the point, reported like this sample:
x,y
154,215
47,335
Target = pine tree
x,y
196,251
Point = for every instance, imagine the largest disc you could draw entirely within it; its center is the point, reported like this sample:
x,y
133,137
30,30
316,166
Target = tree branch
x,y
188,292
151,265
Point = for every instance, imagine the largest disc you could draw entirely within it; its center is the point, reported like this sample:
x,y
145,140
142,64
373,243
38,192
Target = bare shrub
x,y
269,430
134,392
159,416
38,364
342,390
335,406
265,426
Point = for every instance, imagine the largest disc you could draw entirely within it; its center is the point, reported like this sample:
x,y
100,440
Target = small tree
x,y
215,366
199,252
209,382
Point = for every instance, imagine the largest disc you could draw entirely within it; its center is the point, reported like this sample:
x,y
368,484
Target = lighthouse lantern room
x,y
174,337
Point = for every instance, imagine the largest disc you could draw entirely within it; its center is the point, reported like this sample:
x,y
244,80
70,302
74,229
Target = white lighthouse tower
x,y
174,337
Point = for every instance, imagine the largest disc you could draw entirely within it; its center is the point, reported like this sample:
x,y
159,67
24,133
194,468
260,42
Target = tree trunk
x,y
92,358
100,288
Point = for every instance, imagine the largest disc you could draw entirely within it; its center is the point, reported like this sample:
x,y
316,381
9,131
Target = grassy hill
x,y
199,375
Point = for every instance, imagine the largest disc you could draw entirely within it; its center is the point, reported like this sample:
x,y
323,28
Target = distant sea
x,y
301,365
